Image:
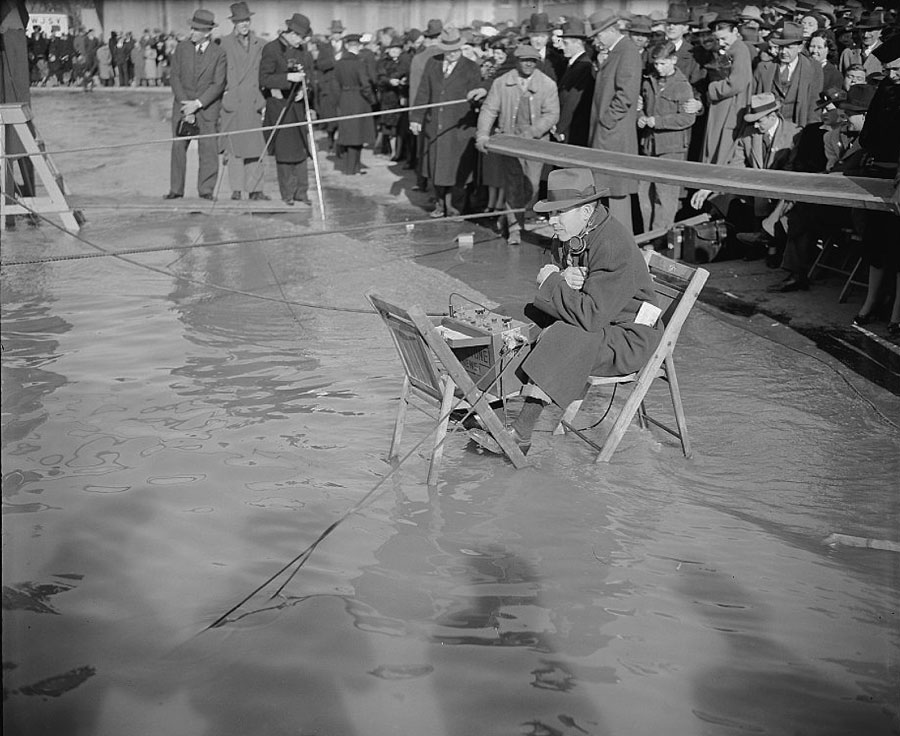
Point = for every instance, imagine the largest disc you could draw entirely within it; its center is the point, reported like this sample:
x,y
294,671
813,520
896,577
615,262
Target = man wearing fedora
x,y
806,222
448,132
728,92
870,27
589,304
242,105
523,102
284,69
576,87
431,37
538,31
793,78
614,111
198,81
770,143
356,97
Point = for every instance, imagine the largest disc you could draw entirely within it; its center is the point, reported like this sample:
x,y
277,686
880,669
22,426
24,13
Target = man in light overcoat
x,y
242,106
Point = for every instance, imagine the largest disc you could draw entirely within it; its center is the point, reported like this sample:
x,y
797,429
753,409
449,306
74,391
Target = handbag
x,y
700,243
187,129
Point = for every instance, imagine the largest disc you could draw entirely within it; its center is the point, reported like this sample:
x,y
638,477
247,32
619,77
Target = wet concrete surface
x,y
179,424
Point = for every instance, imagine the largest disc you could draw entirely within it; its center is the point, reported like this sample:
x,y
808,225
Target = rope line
x,y
263,128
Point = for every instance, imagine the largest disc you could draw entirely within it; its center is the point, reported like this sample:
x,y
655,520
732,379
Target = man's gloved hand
x,y
545,271
477,94
415,128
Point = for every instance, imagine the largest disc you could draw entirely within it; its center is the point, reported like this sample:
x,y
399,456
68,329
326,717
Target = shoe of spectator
x,y
305,201
791,283
773,259
893,329
260,196
861,320
288,202
172,195
207,196
452,212
237,195
514,237
760,238
437,212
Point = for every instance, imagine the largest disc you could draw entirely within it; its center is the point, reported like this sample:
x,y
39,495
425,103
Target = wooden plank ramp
x,y
829,189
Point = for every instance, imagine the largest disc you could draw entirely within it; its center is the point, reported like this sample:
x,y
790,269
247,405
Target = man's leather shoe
x,y
791,283
206,196
237,195
260,197
760,238
172,195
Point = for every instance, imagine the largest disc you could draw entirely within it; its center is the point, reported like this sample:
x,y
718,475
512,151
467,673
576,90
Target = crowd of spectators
x,y
783,85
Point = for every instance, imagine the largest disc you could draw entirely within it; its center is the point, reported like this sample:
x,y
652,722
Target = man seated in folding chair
x,y
590,305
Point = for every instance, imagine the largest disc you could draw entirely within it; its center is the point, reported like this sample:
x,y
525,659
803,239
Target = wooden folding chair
x,y
677,287
435,378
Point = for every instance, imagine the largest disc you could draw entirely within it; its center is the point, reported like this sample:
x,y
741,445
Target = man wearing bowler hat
x,y
590,304
794,78
284,69
615,107
242,105
198,81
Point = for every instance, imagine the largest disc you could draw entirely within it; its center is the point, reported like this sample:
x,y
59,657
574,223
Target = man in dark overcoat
x,y
356,97
242,104
284,69
589,304
448,131
615,107
576,87
198,81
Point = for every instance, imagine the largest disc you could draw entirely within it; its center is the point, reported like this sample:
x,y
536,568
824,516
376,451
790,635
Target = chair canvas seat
x,y
677,287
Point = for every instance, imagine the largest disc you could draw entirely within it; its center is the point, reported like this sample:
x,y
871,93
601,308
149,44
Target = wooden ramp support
x,y
830,189
17,135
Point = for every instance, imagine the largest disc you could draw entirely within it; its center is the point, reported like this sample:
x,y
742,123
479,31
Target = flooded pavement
x,y
180,425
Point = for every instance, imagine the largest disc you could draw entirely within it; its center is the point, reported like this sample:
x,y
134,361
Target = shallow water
x,y
168,446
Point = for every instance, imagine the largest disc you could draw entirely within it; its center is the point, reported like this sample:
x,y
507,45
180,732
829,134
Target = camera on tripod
x,y
294,65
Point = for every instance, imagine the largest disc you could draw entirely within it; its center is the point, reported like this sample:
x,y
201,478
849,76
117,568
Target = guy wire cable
x,y
104,253
300,559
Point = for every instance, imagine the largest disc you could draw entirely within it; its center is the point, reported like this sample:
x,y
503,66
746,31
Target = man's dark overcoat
x,y
594,332
289,145
356,97
576,91
449,131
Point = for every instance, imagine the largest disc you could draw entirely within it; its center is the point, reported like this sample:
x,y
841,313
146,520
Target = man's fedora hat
x,y
831,96
678,14
569,188
889,50
538,23
760,106
527,51
751,12
789,34
640,25
239,12
336,27
299,24
451,39
724,19
871,21
575,28
203,20
434,28
352,38
602,19
859,97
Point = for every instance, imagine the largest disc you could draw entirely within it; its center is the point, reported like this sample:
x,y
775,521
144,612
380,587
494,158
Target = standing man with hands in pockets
x,y
198,81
